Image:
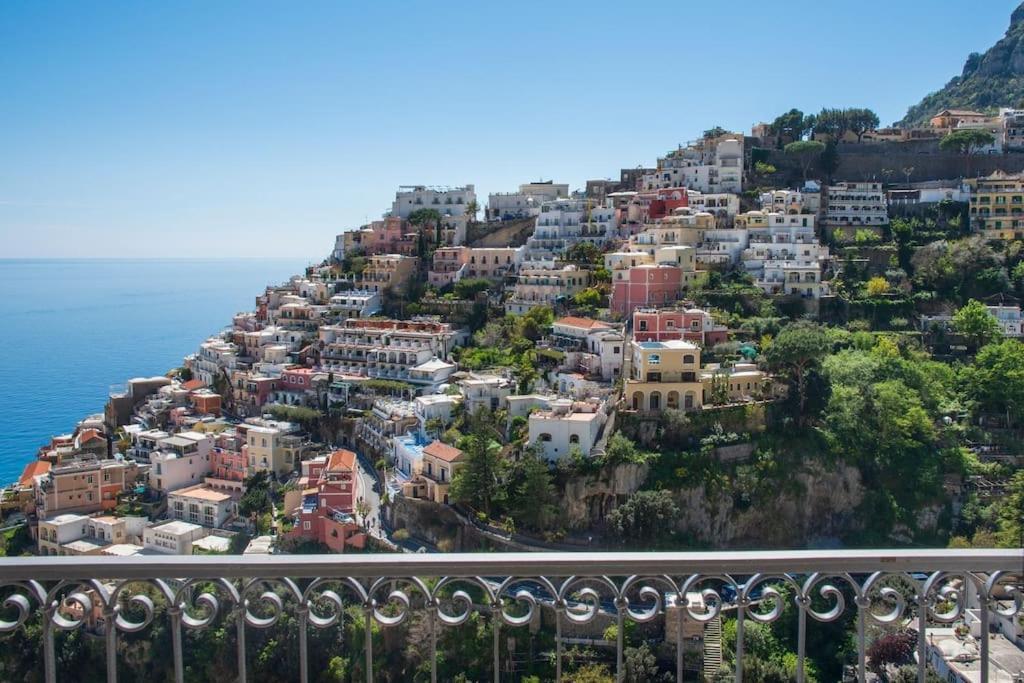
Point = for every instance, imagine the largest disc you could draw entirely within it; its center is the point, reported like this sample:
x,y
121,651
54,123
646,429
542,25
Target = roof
x,y
193,384
87,435
959,112
176,527
342,460
582,323
33,470
433,365
442,451
201,492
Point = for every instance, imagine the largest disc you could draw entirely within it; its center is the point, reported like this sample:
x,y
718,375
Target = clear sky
x,y
256,128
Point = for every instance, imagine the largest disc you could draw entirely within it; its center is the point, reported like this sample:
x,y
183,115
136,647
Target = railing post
x,y
681,604
174,611
433,644
863,604
110,637
559,608
240,637
495,631
741,603
984,602
368,639
49,647
620,626
801,636
922,642
302,612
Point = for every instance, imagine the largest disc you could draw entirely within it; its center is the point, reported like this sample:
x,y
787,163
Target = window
x,y
574,438
643,325
688,359
654,359
545,437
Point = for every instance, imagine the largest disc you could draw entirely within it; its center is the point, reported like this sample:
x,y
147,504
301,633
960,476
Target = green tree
x,y
833,123
1011,514
966,141
996,379
860,121
588,299
479,482
796,351
805,152
974,322
788,127
531,492
644,515
468,288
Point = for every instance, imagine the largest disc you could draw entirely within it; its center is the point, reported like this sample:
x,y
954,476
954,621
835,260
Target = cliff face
x,y
989,80
822,511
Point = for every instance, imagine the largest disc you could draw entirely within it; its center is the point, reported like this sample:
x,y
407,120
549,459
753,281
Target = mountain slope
x,y
989,80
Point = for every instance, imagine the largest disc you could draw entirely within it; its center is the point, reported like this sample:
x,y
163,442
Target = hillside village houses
x,y
363,350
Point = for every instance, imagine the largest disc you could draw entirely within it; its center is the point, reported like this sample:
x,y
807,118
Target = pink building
x,y
689,324
448,261
667,200
645,286
296,379
227,465
329,491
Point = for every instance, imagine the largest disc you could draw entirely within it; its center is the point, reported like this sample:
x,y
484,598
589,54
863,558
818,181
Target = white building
x,y
524,203
214,356
565,222
1012,128
852,205
173,538
435,407
180,460
710,166
355,303
484,391
564,425
545,287
60,530
448,201
201,505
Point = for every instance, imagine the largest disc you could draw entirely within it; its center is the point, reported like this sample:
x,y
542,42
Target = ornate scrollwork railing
x,y
115,598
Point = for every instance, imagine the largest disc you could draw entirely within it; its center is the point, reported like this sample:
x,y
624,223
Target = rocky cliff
x,y
989,80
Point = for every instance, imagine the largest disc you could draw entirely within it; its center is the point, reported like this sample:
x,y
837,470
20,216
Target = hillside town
x,y
818,310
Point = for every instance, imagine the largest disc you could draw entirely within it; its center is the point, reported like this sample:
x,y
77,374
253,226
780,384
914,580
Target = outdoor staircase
x,y
712,648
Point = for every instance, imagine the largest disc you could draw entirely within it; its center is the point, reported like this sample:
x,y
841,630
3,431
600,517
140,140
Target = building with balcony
x,y
325,514
389,349
271,446
355,303
997,206
389,418
203,504
657,283
173,538
711,166
439,463
482,391
451,264
545,287
447,201
664,374
733,384
82,485
668,324
525,203
563,223
851,206
180,460
387,273
566,424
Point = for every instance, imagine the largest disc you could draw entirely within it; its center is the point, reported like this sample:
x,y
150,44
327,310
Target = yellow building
x,y
664,374
997,206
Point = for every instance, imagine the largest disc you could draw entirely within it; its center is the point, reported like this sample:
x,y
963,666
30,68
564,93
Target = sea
x,y
75,328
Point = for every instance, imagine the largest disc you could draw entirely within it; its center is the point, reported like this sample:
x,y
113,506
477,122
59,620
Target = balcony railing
x,y
121,598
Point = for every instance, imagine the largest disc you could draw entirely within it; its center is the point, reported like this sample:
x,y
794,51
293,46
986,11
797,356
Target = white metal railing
x,y
917,588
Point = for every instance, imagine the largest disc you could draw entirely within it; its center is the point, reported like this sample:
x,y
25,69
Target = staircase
x,y
712,648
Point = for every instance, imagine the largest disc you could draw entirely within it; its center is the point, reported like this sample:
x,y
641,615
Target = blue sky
x,y
257,129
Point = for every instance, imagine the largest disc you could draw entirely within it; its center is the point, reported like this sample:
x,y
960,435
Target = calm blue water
x,y
73,328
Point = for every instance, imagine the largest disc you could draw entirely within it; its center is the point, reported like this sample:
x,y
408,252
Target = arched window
x,y
574,438
688,359
545,437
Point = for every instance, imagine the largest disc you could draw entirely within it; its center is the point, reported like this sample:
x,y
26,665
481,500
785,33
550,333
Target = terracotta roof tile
x,y
442,451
